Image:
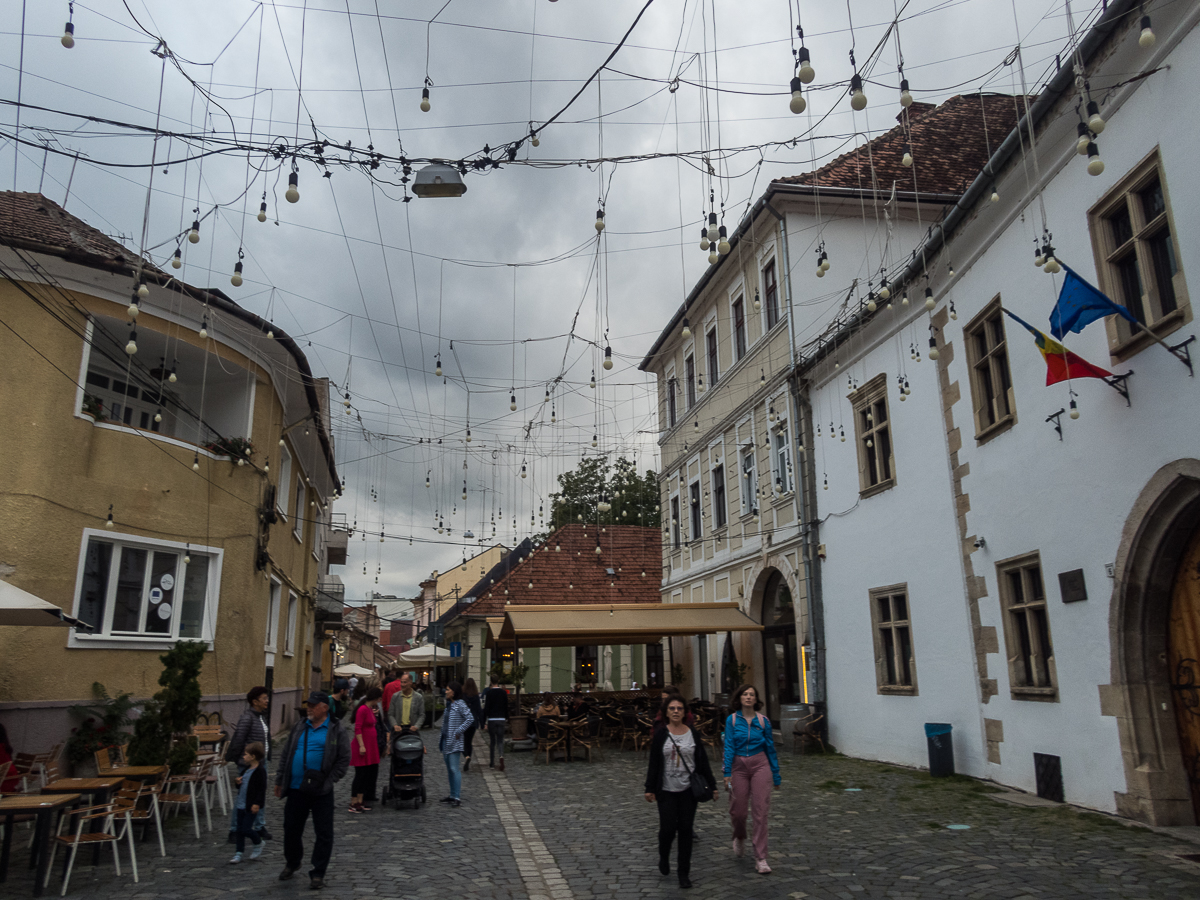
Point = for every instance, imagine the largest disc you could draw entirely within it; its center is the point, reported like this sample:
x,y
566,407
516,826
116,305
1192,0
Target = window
x,y
770,294
1026,628
690,374
749,482
654,665
694,501
739,328
672,410
876,467
299,507
293,609
133,589
711,339
586,661
285,475
991,385
675,521
273,618
895,666
782,454
720,515
124,403
1137,258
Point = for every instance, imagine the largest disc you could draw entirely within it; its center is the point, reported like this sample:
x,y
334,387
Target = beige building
x,y
131,499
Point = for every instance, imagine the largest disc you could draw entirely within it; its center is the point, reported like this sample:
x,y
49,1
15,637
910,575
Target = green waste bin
x,y
939,737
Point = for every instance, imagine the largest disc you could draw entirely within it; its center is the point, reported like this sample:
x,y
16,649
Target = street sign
x,y
456,648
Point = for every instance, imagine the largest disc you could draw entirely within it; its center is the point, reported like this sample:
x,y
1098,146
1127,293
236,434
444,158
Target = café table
x,y
100,789
570,727
133,773
44,806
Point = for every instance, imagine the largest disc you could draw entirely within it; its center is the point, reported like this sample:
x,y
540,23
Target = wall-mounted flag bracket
x,y
1056,419
1120,384
1181,352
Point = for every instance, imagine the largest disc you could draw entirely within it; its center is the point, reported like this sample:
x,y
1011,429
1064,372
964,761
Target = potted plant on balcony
x,y
93,406
238,449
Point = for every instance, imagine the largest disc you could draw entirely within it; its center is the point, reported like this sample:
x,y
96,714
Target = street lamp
x,y
438,180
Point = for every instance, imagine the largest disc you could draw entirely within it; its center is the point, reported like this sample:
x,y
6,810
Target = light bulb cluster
x,y
1090,125
1044,257
822,260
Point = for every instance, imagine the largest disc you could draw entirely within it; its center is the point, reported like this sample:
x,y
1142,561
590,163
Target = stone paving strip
x,y
543,878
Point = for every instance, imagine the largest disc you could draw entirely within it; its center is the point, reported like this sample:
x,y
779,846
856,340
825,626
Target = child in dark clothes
x,y
252,796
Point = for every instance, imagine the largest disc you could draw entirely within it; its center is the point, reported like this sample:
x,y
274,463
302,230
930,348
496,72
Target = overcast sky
x,y
380,287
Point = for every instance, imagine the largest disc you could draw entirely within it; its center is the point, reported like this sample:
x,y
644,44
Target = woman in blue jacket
x,y
456,720
750,767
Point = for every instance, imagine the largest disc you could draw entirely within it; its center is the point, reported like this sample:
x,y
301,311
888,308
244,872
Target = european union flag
x,y
1079,304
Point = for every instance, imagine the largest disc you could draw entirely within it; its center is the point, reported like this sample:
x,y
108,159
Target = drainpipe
x,y
806,493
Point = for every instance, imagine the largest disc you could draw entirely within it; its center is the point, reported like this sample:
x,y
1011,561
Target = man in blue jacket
x,y
314,759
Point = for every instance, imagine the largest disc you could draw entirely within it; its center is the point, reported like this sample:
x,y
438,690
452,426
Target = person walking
x,y
675,753
407,709
750,766
456,719
364,752
251,799
315,757
251,727
471,697
495,712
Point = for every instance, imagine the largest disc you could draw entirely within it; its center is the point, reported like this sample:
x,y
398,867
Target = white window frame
x,y
695,498
747,480
675,513
102,637
273,603
293,610
285,483
781,458
671,386
300,497
711,327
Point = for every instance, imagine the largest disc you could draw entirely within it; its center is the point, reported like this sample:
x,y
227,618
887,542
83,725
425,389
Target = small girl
x,y
252,796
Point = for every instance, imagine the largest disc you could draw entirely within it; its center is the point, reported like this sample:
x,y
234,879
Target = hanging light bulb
x,y
109,522
820,271
950,270
68,38
546,399
757,301
871,306
597,548
522,470
187,554
933,350
599,220
194,234
995,198
468,435
133,308
425,99
884,290
142,291
797,105
929,303
1095,164
1082,138
771,413
687,331
608,363
906,98
700,382
1095,121
437,368
824,261
262,212
907,159
696,427
158,414
723,246
1145,39
953,311
762,377
172,377
236,280
512,402
904,299
204,328
842,431
177,259
553,416
592,383
131,347
1074,413
704,242
713,254
292,195
713,231
806,72
858,100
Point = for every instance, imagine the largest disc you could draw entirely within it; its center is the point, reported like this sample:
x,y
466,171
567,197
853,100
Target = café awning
x,y
18,607
624,623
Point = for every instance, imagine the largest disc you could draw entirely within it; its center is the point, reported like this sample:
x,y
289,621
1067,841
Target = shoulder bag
x,y
313,780
700,790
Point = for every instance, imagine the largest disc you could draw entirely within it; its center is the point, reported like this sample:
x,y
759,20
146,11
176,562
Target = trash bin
x,y
941,749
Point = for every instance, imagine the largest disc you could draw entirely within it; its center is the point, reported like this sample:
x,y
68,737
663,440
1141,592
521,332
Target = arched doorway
x,y
781,665
1183,662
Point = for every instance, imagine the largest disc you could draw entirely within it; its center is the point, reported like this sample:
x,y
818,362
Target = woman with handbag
x,y
750,766
678,778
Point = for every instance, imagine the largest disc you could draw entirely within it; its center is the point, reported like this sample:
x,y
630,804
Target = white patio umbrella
x,y
18,607
345,671
424,655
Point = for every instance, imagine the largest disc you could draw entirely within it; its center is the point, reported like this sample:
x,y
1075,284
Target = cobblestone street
x,y
584,831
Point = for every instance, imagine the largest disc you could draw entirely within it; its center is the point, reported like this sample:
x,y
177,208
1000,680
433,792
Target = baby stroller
x,y
408,770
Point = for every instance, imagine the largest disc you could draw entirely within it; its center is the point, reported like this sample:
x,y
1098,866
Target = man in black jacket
x,y
314,759
495,713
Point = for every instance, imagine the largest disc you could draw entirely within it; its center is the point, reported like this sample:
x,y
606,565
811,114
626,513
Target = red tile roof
x,y
576,572
37,222
950,143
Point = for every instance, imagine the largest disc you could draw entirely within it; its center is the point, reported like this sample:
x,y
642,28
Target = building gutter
x,y
1061,85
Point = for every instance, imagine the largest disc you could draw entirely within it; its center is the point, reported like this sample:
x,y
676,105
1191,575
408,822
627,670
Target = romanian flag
x,y
1061,363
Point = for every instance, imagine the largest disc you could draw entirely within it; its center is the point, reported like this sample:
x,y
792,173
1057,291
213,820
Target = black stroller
x,y
408,770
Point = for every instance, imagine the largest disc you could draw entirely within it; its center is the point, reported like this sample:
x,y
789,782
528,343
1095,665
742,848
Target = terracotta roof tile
x,y
576,573
32,218
951,144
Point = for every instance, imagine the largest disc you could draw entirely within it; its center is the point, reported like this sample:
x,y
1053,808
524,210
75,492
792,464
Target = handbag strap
x,y
679,749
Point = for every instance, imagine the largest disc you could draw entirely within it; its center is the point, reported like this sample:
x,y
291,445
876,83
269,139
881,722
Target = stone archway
x,y
1156,533
771,576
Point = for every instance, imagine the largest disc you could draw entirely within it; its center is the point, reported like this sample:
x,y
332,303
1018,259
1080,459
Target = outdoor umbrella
x,y
351,669
18,607
424,655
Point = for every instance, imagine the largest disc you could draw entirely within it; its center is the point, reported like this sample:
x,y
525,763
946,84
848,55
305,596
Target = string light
x,y
109,522
194,234
68,38
262,212
292,195
177,259
858,100
1145,39
425,99
236,279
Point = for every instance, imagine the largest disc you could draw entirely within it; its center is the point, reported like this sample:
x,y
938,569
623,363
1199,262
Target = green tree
x,y
632,498
162,734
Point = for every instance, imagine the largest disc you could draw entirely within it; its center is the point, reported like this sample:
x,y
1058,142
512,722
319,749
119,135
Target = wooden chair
x,y
549,737
589,740
107,834
144,796
190,785
103,762
810,728
211,740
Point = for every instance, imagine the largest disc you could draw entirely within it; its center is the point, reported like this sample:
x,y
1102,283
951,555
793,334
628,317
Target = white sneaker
x,y
761,867
739,847
237,858
257,851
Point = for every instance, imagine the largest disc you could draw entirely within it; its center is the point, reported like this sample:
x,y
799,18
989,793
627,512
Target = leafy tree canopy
x,y
632,498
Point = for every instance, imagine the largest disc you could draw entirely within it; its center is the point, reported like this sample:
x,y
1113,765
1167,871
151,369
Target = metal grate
x,y
1048,771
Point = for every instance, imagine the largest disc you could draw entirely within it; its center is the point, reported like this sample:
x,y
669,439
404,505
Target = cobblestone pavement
x,y
584,832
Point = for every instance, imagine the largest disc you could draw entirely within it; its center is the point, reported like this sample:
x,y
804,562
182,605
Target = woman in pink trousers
x,y
751,768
